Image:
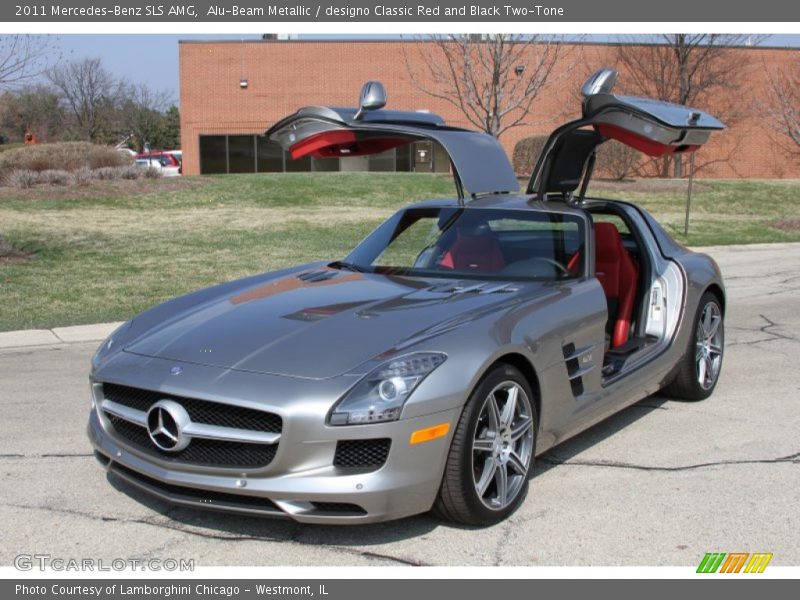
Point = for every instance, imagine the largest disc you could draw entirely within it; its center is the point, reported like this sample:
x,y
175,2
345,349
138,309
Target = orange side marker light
x,y
429,433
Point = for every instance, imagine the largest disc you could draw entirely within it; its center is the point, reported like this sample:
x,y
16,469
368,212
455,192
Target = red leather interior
x,y
642,144
474,253
343,142
618,275
574,264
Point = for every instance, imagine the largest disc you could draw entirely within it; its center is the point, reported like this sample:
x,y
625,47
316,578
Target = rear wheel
x,y
701,365
486,476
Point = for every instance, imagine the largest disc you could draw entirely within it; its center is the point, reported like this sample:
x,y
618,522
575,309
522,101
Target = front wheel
x,y
486,476
700,366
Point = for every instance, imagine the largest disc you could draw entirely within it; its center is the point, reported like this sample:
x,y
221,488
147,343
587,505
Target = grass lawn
x,y
106,251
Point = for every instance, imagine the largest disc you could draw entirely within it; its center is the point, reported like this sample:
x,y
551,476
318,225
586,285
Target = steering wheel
x,y
553,263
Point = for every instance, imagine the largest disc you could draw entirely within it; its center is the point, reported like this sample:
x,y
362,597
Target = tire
x,y
488,438
703,347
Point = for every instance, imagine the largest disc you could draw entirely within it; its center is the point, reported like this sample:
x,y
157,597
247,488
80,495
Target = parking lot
x,y
661,483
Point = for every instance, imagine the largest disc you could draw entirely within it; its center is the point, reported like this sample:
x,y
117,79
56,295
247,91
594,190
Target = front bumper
x,y
301,483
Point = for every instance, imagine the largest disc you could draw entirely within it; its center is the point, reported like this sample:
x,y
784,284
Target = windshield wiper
x,y
340,264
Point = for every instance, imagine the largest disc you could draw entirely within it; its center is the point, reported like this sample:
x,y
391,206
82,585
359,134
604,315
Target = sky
x,y
153,59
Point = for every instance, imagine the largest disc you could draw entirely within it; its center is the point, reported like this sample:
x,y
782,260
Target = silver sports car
x,y
429,367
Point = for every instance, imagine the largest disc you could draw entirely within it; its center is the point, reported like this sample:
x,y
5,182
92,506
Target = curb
x,y
57,336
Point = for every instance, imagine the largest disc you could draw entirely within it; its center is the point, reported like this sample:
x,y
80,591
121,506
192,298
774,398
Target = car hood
x,y
319,323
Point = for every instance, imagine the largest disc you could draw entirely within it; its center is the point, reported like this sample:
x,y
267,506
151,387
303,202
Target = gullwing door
x,y
479,163
653,127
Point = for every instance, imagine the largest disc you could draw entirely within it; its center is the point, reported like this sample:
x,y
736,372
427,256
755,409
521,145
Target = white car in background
x,y
167,162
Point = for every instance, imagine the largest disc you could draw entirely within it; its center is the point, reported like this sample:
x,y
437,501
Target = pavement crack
x,y
791,459
378,555
767,329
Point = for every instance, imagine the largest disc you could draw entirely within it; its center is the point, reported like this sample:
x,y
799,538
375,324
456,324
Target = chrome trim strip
x,y
137,417
580,352
581,372
503,287
229,434
195,430
470,288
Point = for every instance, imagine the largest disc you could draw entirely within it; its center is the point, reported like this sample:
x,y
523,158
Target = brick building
x,y
232,91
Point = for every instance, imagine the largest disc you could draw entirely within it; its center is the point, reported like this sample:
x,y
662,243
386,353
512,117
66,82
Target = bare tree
x,y
142,113
493,80
24,57
35,109
90,94
687,69
783,104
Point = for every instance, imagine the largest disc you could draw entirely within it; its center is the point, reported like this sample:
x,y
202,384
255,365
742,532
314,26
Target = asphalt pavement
x,y
660,483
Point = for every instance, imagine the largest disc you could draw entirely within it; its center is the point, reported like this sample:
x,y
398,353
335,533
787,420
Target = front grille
x,y
362,454
200,411
205,497
199,452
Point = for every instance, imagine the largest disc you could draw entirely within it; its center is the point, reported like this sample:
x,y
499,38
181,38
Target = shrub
x,y
25,178
22,178
526,153
62,156
105,173
82,176
54,177
150,173
130,172
617,161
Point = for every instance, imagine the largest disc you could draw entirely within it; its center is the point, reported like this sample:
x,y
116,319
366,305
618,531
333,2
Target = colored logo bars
x,y
735,562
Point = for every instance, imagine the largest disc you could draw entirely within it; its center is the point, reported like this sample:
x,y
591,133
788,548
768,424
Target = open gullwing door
x,y
479,163
653,127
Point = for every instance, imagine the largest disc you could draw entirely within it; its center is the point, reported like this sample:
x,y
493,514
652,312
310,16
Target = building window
x,y
241,154
270,156
385,161
403,158
258,154
324,164
213,154
301,165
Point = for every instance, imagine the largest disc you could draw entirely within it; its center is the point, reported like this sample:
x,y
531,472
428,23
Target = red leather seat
x,y
618,275
474,253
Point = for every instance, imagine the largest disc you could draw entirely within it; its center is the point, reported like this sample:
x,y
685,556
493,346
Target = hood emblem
x,y
166,421
176,370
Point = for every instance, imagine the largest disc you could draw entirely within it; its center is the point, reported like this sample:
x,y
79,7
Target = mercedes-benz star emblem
x,y
166,422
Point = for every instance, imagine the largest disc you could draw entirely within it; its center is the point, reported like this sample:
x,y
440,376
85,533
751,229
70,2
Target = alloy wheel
x,y
708,346
502,445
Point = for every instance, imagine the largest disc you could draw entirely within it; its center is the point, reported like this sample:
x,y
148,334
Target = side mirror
x,y
373,97
600,82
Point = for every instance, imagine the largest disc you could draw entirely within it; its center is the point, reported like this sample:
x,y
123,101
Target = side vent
x,y
315,276
579,362
474,288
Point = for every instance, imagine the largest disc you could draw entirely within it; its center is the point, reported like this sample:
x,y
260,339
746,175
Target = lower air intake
x,y
362,454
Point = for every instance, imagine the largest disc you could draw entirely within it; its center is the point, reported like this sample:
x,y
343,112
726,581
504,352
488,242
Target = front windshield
x,y
476,243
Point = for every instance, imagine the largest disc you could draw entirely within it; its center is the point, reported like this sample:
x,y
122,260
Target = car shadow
x,y
597,433
223,526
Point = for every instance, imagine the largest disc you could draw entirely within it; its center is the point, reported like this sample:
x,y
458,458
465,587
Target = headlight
x,y
108,344
380,396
